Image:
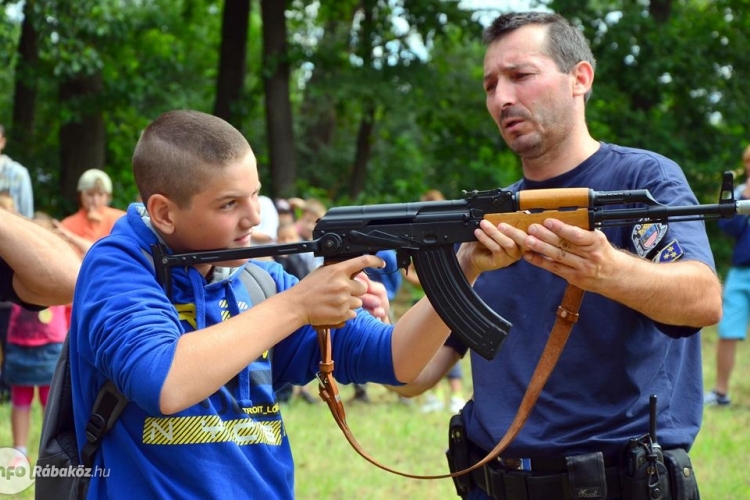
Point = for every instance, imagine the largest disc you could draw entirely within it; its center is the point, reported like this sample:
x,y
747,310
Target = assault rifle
x,y
426,232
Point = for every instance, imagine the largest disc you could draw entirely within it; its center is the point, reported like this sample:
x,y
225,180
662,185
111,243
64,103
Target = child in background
x,y
294,264
312,210
33,347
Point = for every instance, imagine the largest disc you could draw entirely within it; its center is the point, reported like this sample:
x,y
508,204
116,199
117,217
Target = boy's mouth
x,y
244,240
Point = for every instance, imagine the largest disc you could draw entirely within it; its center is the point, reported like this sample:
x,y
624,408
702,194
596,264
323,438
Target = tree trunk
x,y
281,149
364,151
367,122
82,140
230,81
24,100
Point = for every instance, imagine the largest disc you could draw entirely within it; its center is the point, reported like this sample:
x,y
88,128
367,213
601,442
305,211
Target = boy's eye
x,y
229,204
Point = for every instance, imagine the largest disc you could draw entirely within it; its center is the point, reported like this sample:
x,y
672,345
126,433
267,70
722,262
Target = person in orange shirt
x,y
95,218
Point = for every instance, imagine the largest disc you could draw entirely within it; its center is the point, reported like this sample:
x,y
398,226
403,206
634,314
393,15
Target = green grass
x,y
403,438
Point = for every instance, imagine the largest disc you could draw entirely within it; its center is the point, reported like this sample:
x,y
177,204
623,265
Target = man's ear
x,y
160,210
583,75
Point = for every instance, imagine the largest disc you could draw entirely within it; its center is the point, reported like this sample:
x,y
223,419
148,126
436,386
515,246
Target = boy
x,y
198,368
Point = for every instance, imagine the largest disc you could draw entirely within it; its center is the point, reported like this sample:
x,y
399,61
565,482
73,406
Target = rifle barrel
x,y
666,213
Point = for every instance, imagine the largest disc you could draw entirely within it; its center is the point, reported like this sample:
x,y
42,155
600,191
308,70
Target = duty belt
x,y
548,479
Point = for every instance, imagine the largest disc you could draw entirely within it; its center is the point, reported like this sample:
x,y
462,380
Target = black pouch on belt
x,y
586,476
643,472
458,455
681,475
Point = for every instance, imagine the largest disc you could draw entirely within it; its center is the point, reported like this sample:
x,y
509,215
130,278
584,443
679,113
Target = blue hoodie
x,y
231,445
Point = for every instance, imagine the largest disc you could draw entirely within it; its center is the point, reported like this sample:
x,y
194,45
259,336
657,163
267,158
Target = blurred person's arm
x,y
79,242
45,267
431,375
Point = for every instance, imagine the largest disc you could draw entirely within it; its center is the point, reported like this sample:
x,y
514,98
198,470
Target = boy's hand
x,y
330,294
375,300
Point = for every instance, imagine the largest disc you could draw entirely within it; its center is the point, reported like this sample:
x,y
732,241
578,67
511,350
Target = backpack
x,y
63,473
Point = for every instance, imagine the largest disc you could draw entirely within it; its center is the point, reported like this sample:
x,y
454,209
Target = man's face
x,y
529,98
223,214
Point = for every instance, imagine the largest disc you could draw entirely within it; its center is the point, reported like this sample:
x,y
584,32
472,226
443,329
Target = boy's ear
x,y
160,210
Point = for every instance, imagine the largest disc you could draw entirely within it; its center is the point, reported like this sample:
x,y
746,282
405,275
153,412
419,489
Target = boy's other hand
x,y
375,300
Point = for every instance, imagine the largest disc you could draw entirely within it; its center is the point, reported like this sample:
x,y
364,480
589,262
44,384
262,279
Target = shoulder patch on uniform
x,y
647,236
670,253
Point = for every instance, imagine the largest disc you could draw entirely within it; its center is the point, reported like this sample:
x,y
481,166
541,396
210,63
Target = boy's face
x,y
222,215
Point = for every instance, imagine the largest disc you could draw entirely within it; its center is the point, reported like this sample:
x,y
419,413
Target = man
x,y
736,318
637,334
16,182
15,178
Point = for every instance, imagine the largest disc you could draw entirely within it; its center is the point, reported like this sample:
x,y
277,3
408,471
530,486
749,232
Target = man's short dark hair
x,y
566,45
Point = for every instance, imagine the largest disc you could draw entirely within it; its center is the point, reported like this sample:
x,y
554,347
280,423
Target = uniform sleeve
x,y
683,240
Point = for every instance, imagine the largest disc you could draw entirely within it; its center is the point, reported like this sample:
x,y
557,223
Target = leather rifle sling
x,y
567,315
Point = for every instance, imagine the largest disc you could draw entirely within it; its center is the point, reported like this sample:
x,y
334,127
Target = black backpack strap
x,y
107,408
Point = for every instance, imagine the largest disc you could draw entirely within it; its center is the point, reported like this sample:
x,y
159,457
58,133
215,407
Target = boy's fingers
x,y
355,265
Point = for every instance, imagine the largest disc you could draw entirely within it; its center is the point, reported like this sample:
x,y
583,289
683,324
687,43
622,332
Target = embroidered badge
x,y
670,253
646,237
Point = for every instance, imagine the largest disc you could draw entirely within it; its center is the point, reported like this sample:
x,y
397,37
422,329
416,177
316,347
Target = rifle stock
x,y
426,233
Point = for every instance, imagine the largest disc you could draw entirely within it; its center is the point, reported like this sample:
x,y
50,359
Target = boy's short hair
x,y
178,153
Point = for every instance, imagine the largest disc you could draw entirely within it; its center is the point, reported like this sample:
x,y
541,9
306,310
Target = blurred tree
x,y
230,81
276,74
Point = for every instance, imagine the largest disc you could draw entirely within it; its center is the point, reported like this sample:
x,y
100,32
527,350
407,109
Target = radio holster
x,y
458,455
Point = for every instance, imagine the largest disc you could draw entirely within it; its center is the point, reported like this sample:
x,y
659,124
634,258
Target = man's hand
x,y
583,258
495,247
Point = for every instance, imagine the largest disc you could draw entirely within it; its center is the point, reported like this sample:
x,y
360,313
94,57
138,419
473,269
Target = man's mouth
x,y
512,123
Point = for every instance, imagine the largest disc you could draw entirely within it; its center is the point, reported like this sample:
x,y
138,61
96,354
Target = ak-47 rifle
x,y
426,232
